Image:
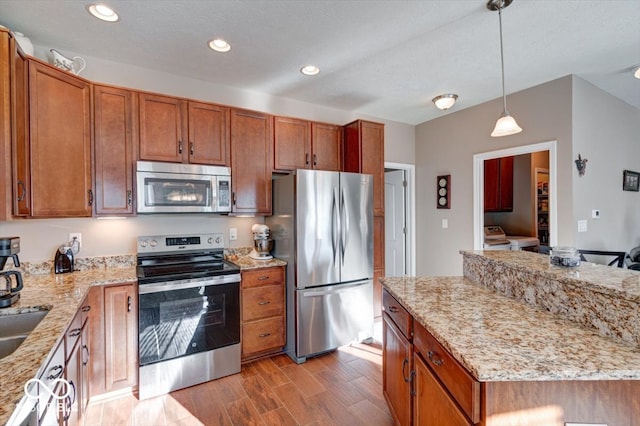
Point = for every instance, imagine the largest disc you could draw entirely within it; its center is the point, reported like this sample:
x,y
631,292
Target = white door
x,y
395,202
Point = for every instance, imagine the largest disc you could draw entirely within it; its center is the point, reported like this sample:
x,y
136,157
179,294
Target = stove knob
x,y
210,240
218,240
143,243
153,243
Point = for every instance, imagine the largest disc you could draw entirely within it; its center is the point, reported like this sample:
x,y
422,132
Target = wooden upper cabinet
x,y
364,153
114,118
498,184
300,144
251,161
292,144
327,146
20,139
208,134
161,128
60,142
178,131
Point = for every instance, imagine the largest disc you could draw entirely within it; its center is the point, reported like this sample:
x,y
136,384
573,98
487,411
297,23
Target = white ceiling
x,y
385,59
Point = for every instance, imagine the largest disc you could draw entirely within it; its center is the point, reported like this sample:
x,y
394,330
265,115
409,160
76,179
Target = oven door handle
x,y
181,285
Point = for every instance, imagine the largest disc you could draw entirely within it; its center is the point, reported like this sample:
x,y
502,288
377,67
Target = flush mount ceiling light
x,y
446,101
506,125
219,45
309,70
102,12
636,72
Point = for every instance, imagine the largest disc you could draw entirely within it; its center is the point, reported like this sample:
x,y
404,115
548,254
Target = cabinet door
x,y
161,128
121,336
72,413
292,144
397,365
506,184
378,263
498,184
21,163
60,132
113,121
208,134
326,140
251,140
432,405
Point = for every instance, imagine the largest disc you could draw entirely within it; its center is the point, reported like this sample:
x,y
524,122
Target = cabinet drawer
x,y
262,302
398,314
266,276
460,384
262,335
72,335
53,371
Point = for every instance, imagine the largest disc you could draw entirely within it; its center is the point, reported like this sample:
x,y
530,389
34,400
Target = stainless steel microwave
x,y
182,188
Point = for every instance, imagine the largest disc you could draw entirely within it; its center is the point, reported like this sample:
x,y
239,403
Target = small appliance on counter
x,y
262,242
63,261
9,248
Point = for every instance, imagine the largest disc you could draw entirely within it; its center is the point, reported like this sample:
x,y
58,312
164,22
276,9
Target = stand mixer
x,y
9,248
262,244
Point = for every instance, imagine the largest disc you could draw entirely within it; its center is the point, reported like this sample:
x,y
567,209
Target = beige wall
x,y
40,238
447,145
606,132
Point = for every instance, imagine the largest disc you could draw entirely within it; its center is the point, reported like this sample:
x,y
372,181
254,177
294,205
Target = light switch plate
x,y
445,223
585,424
582,226
233,234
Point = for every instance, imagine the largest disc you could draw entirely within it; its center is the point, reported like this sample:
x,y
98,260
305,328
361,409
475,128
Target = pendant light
x,y
506,124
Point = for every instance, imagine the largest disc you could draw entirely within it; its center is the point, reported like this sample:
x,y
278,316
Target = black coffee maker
x,y
9,294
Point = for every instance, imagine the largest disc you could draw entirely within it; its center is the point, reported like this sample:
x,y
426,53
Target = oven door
x,y
186,317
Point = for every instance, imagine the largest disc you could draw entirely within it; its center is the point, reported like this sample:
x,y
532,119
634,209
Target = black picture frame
x,y
630,181
443,192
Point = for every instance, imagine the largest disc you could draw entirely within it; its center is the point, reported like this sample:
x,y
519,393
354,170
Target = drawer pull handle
x,y
129,303
264,335
86,308
56,372
264,302
264,277
75,332
405,363
438,362
306,158
393,309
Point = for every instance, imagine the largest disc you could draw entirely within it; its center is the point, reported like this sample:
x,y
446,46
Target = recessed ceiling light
x,y
103,12
309,70
219,45
446,101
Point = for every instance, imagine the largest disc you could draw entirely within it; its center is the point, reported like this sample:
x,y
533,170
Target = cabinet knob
x,y
23,192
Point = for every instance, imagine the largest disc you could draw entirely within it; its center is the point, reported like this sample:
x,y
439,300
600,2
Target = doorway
x,y
478,187
399,200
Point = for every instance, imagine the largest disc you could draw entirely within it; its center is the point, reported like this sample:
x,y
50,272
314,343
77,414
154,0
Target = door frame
x,y
410,208
478,186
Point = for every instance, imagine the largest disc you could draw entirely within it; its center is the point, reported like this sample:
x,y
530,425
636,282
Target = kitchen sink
x,y
14,329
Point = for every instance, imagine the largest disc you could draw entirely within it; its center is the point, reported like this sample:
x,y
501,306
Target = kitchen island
x,y
521,357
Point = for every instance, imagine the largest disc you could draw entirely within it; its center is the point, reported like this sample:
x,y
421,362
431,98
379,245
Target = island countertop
x,y
497,338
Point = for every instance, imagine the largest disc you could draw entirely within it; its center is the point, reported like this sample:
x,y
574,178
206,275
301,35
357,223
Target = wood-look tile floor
x,y
343,387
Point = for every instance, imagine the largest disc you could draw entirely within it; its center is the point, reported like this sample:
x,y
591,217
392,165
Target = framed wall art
x,y
630,181
443,194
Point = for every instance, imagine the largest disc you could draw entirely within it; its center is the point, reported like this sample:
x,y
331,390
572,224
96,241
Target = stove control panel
x,y
169,243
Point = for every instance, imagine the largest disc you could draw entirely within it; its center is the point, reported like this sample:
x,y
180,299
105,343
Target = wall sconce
x,y
446,101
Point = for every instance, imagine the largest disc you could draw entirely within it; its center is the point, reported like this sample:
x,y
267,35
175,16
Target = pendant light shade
x,y
506,124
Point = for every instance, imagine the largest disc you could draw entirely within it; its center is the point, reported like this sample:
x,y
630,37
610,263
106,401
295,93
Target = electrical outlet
x,y
233,234
75,241
77,236
595,214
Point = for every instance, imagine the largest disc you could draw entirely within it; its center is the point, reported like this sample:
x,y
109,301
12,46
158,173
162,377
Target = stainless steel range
x,y
189,312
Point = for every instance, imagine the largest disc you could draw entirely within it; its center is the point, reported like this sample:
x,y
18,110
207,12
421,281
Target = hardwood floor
x,y
343,387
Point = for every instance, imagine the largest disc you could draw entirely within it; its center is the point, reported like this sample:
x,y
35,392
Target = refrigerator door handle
x,y
345,224
334,290
334,226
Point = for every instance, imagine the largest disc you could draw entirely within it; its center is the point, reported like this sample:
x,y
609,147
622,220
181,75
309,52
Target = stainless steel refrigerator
x,y
322,224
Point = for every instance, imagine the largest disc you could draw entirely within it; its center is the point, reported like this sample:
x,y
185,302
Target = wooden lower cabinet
x,y
397,365
114,338
263,312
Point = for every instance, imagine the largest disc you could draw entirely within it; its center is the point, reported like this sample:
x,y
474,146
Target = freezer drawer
x,y
329,317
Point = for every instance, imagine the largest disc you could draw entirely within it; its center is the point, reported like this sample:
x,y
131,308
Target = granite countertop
x,y
61,295
498,338
240,256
